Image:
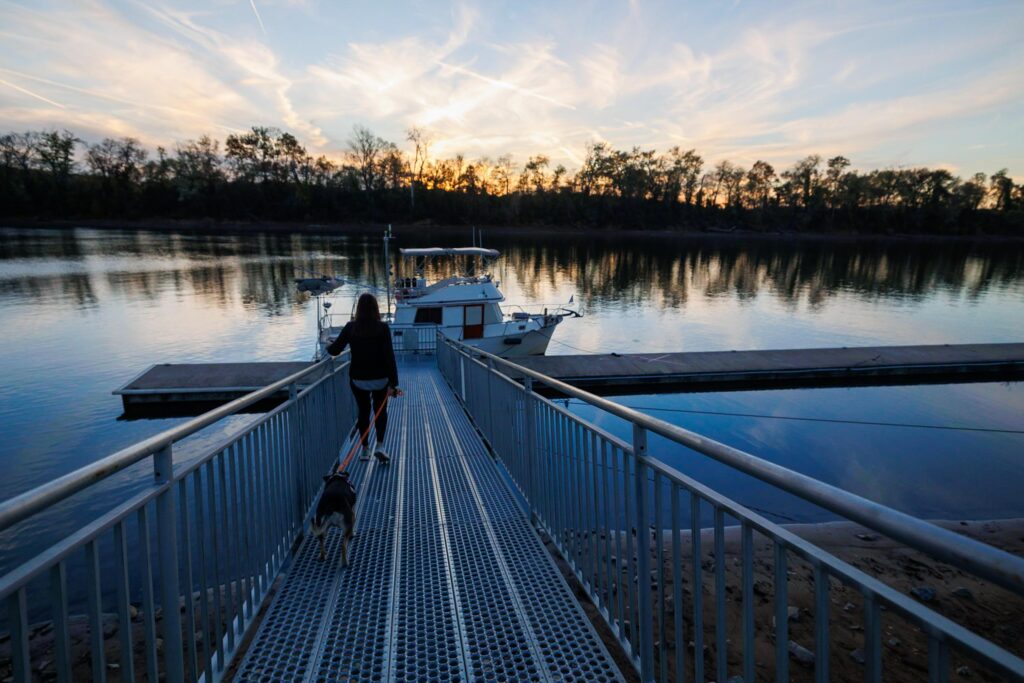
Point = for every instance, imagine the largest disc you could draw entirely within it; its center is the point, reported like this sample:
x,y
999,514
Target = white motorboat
x,y
464,306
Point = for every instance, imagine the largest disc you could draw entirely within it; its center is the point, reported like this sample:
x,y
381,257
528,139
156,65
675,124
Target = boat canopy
x,y
451,251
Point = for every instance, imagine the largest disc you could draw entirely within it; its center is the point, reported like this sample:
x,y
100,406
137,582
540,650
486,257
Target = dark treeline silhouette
x,y
267,175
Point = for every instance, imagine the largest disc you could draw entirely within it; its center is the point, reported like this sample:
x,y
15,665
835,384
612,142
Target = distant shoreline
x,y
292,227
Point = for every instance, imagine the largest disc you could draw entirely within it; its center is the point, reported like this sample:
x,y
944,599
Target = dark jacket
x,y
373,357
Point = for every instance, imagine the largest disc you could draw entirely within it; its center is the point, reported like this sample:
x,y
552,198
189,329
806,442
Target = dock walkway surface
x,y
448,580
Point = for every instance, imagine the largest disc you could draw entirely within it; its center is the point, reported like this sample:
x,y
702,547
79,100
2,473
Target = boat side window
x,y
492,313
431,315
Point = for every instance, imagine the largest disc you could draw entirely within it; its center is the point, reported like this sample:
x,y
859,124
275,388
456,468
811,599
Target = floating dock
x,y
786,368
192,388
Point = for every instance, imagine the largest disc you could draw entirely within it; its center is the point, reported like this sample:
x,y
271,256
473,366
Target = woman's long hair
x,y
367,310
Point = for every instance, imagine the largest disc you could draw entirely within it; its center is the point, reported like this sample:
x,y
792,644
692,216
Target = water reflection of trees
x,y
36,244
258,270
75,288
670,272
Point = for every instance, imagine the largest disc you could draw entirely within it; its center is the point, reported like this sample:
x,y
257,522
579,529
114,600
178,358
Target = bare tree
x,y
197,167
557,176
289,158
502,174
365,151
971,193
117,160
1001,189
760,179
252,155
393,166
723,176
421,152
682,174
18,150
534,175
837,165
804,177
56,153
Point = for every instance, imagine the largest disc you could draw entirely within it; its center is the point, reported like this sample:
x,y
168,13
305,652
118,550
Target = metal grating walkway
x,y
448,581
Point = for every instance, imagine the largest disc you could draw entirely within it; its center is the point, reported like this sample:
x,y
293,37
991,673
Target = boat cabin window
x,y
492,314
431,315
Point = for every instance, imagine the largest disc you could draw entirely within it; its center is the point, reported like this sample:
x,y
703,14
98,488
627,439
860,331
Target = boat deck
x,y
448,580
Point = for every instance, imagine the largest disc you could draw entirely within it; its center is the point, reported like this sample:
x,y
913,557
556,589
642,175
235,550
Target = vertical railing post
x,y
295,449
335,428
462,375
167,545
531,447
17,618
491,437
643,555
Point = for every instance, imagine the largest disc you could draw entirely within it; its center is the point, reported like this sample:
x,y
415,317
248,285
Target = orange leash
x,y
365,435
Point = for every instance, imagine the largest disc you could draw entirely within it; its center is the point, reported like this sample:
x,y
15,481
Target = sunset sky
x,y
886,84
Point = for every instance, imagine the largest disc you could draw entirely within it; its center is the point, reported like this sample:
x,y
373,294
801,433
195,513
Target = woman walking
x,y
373,374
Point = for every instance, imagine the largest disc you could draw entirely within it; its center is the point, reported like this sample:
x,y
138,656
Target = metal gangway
x,y
207,571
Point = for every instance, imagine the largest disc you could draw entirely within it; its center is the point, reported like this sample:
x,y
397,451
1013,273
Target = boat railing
x,y
599,497
406,338
414,339
197,547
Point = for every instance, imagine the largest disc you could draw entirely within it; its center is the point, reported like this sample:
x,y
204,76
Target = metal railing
x,y
222,525
598,497
412,339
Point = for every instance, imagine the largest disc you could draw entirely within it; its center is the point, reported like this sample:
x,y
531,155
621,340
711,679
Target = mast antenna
x,y
387,266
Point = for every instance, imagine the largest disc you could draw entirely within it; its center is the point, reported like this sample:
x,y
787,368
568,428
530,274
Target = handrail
x,y
979,558
28,503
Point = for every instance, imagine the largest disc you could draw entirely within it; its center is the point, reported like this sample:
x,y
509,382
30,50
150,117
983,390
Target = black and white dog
x,y
337,507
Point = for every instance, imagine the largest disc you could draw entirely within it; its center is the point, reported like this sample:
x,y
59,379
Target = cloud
x,y
735,82
139,84
506,85
161,82
26,91
179,111
259,19
601,71
254,64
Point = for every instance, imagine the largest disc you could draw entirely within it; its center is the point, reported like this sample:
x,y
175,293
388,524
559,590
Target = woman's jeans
x,y
368,403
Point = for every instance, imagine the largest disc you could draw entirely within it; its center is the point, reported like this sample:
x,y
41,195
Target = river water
x,y
83,311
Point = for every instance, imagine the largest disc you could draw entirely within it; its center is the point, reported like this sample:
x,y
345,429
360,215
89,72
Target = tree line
x,y
267,175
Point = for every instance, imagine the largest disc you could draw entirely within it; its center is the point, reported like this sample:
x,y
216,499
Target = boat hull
x,y
531,343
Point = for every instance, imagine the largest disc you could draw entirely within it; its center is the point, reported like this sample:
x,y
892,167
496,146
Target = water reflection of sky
x,y
929,472
83,311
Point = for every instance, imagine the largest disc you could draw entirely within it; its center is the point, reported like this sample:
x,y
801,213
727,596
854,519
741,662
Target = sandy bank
x,y
976,604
